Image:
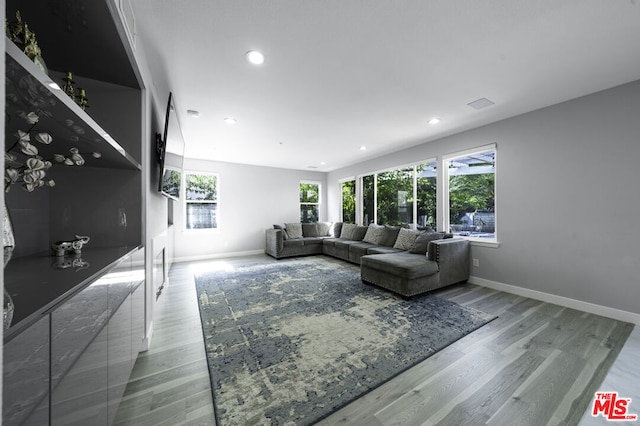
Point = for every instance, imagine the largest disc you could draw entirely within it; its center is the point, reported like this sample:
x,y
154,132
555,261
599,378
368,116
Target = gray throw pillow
x,y
422,242
390,235
374,234
310,230
406,238
347,230
336,229
294,230
360,232
323,229
285,236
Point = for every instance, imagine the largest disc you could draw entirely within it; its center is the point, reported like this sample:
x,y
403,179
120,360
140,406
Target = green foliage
x,y
395,197
201,187
469,193
309,193
349,201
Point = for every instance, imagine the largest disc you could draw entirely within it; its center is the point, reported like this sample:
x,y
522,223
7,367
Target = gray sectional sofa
x,y
404,261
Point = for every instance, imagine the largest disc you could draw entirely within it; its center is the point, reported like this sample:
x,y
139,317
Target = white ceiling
x,y
340,74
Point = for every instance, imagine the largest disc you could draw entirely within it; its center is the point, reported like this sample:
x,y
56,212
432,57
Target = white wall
x,y
251,199
567,197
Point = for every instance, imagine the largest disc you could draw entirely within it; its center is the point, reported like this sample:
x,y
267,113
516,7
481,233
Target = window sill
x,y
482,243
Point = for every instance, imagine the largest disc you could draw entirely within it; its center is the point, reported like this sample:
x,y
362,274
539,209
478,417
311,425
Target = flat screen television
x,y
170,149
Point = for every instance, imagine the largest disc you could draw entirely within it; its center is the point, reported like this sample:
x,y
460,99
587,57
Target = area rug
x,y
290,342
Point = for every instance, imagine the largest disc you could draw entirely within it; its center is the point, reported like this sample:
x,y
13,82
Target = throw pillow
x,y
374,234
423,240
348,230
310,230
390,235
294,230
360,232
406,238
336,229
323,229
284,231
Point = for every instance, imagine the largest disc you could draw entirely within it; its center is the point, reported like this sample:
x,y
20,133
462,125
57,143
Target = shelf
x,y
28,89
38,284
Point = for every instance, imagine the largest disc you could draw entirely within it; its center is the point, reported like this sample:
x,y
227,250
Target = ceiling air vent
x,y
480,103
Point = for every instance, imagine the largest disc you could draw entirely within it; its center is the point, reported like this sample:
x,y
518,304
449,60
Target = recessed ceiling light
x,y
254,57
434,120
230,121
322,163
193,113
363,148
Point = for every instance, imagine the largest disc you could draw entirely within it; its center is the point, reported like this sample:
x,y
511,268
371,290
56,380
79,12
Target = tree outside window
x,y
349,201
368,197
395,197
472,194
309,202
201,201
426,183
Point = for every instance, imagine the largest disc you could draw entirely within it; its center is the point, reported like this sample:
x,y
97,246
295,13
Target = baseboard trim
x,y
591,308
217,256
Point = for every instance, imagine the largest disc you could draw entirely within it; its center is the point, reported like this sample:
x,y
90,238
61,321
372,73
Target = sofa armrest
x,y
274,242
452,255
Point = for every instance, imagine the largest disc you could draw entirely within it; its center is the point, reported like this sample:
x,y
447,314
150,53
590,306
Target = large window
x,y
201,201
348,197
368,199
426,190
309,202
471,193
395,197
402,197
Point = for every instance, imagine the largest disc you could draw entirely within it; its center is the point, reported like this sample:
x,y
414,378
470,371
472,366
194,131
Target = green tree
x,y
469,193
201,187
349,201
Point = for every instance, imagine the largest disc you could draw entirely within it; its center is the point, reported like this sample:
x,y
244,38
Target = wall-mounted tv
x,y
170,149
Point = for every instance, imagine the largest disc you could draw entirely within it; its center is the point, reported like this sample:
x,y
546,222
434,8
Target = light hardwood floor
x,y
536,364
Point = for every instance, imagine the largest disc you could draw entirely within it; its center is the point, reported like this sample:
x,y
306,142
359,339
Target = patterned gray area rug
x,y
290,342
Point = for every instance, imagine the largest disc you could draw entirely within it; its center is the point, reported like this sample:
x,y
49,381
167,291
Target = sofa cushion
x,y
406,238
310,241
390,235
383,250
294,230
336,229
294,242
285,236
310,230
324,229
404,264
374,234
422,242
360,232
347,230
359,249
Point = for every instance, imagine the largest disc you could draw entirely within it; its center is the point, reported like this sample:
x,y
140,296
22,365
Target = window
x,y
394,196
426,185
309,202
471,193
369,199
348,195
201,201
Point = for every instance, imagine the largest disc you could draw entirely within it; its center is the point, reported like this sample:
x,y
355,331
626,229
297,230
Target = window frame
x,y
444,199
318,204
353,179
186,201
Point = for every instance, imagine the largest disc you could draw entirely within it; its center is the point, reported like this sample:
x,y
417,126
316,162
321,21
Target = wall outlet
x,y
476,263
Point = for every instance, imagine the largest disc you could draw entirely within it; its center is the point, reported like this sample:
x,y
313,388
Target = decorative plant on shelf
x,y
24,164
